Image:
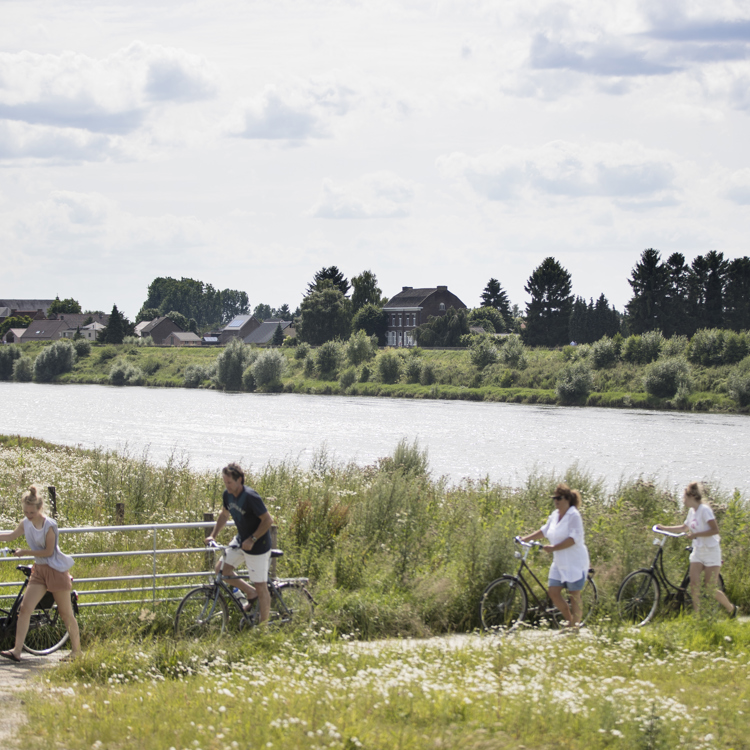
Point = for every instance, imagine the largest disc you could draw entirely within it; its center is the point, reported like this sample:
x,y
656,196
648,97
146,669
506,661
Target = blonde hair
x,y
572,496
34,497
696,490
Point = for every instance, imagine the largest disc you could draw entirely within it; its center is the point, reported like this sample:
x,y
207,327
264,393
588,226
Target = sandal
x,y
250,604
10,655
734,613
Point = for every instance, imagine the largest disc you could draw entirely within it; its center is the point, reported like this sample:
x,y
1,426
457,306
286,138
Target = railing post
x,y
119,513
209,559
53,500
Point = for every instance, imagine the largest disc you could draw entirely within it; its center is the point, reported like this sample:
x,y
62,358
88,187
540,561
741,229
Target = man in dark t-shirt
x,y
252,545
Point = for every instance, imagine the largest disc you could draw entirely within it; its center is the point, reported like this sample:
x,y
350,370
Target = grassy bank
x,y
422,374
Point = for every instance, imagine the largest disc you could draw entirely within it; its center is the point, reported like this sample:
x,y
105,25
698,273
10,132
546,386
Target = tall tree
x,y
117,328
63,306
494,296
737,295
443,330
326,314
232,303
606,321
707,280
649,281
373,320
677,318
263,312
366,291
548,312
331,274
579,329
283,312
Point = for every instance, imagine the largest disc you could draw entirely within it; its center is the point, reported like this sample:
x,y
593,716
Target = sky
x,y
250,144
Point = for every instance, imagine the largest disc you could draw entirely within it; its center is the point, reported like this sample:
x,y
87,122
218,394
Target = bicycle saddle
x,y
25,569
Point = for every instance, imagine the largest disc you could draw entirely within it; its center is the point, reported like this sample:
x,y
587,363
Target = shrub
x,y
302,350
389,367
428,376
268,368
248,380
108,352
603,353
484,353
348,377
139,341
360,348
575,383
82,347
232,363
194,375
123,372
8,356
54,360
651,343
631,350
738,383
327,359
23,370
675,346
365,374
309,368
665,377
706,347
513,352
735,347
413,370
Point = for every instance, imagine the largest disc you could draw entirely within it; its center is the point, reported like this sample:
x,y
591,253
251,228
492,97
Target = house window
x,y
442,306
399,321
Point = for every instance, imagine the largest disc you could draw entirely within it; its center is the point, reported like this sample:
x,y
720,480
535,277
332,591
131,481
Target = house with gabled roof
x,y
44,330
263,334
13,335
160,328
239,327
31,308
182,338
411,307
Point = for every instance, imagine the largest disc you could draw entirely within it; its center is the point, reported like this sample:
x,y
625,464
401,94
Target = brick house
x,y
239,327
182,338
263,334
13,335
30,308
44,330
160,328
412,307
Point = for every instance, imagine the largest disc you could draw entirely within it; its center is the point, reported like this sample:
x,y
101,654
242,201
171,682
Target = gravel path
x,y
13,681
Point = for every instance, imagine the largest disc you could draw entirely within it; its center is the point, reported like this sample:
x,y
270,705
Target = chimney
x,y
443,288
406,288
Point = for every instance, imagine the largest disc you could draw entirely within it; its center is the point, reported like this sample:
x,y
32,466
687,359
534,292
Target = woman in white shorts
x,y
702,529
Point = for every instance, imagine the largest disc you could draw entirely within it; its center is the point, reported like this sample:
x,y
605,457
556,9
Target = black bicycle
x,y
47,631
511,599
640,594
205,610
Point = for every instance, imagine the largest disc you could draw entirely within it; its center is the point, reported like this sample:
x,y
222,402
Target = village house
x,y
182,338
13,335
239,327
412,307
30,308
44,330
160,328
263,334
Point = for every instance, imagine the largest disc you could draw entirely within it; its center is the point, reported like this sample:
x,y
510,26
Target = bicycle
x,y
505,603
639,595
205,610
47,631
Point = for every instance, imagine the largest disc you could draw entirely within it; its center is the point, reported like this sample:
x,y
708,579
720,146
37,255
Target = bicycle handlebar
x,y
7,552
666,533
518,540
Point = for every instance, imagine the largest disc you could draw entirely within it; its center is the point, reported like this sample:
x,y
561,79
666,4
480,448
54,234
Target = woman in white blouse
x,y
703,531
570,558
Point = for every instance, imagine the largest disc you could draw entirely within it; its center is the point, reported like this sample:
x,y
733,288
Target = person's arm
x,y
569,542
9,536
673,529
48,551
221,522
538,534
574,523
713,528
266,521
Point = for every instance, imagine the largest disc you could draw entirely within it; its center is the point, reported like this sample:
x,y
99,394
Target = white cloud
x,y
18,140
737,189
562,170
379,195
113,95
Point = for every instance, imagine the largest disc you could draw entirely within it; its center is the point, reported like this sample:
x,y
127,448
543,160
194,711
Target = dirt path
x,y
14,680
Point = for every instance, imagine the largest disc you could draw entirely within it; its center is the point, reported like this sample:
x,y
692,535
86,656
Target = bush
x,y
123,372
302,350
194,375
675,346
23,370
8,356
603,353
665,377
428,376
268,368
248,380
413,370
513,352
707,347
361,348
631,350
738,383
484,353
651,343
735,347
389,367
232,363
82,347
54,360
575,383
327,359
108,352
347,378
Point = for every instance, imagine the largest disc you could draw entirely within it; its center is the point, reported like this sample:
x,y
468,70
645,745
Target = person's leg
x,y
695,584
555,593
32,596
257,568
232,579
576,606
264,601
711,577
65,608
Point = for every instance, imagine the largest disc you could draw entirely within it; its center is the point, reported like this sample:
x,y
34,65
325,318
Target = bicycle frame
x,y
543,605
657,568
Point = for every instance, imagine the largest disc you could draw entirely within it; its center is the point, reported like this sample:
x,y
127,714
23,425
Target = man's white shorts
x,y
257,565
709,556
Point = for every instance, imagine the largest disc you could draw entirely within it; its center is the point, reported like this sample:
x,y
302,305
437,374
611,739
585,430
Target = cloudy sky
x,y
248,144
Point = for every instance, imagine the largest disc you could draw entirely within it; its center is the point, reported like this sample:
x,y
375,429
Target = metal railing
x,y
154,577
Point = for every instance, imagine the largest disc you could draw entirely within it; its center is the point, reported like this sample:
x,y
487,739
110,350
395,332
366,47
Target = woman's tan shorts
x,y
53,580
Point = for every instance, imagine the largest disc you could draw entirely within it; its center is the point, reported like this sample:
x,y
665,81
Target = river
x,y
504,442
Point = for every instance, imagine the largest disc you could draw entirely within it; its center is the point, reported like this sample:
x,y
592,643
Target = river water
x,y
504,442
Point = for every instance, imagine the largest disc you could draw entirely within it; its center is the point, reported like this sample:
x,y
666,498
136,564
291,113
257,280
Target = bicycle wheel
x,y
589,599
503,604
202,612
638,597
47,632
293,603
